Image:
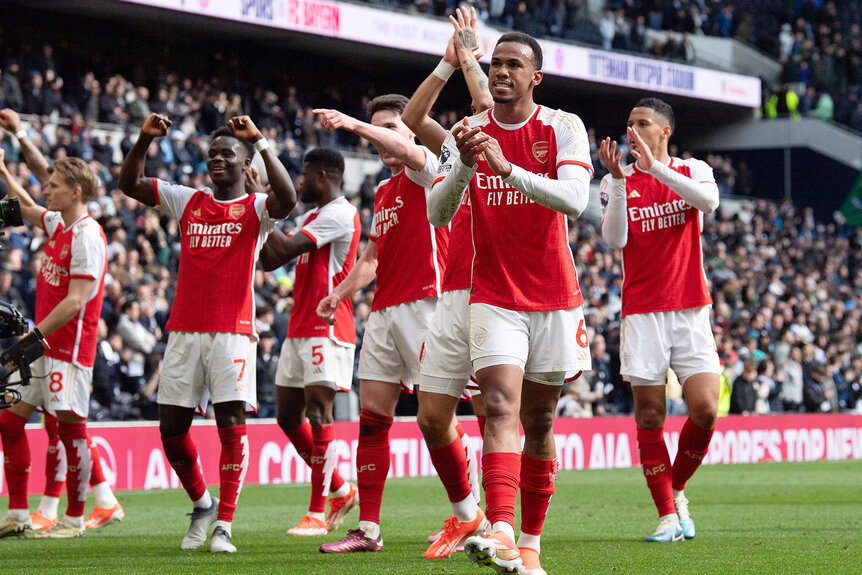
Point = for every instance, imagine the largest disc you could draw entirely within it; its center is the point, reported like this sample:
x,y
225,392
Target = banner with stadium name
x,y
132,454
400,31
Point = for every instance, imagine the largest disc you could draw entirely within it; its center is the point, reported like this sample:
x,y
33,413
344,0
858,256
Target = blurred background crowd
x,y
787,288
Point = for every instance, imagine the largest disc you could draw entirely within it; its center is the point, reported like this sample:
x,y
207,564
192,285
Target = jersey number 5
x,y
316,355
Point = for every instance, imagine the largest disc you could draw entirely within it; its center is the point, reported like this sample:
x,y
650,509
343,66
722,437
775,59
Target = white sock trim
x,y
204,502
505,528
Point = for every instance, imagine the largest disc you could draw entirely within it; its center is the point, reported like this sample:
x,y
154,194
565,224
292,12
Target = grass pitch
x,y
764,518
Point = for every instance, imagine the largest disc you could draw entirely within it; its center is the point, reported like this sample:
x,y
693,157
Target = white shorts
x,y
651,343
199,366
393,342
548,346
58,386
315,361
446,366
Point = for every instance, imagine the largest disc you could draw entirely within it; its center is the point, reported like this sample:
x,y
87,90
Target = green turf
x,y
765,518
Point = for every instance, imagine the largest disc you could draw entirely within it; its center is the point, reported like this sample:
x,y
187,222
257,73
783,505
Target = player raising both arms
x,y
406,254
653,210
526,168
446,365
317,358
211,349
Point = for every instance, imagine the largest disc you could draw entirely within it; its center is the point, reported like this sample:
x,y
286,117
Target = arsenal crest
x,y
236,211
64,252
540,151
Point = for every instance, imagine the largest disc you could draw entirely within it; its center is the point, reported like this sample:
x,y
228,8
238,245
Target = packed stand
x,y
817,325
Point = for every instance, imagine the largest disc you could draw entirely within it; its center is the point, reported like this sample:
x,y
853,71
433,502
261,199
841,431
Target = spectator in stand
x,y
267,362
743,396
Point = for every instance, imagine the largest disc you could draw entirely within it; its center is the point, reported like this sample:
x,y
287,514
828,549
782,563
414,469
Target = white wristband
x,y
444,70
261,145
22,133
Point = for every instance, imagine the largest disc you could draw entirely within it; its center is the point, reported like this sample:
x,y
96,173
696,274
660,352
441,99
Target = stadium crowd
x,y
787,289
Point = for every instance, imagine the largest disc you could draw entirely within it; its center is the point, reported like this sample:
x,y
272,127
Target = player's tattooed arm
x,y
466,44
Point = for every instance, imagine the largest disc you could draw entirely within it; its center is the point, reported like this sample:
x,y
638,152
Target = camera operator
x,y
69,296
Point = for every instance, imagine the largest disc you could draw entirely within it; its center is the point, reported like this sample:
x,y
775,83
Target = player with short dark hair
x,y
407,256
211,350
653,210
446,367
317,358
525,168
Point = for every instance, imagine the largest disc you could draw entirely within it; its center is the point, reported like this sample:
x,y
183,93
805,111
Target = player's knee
x,y
318,413
498,405
538,423
289,420
704,417
432,423
649,418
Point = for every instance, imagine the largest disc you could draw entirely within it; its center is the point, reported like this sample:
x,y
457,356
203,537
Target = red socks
x,y
182,454
656,468
55,459
97,476
79,465
16,457
233,464
693,447
302,438
322,464
537,487
451,464
372,463
500,474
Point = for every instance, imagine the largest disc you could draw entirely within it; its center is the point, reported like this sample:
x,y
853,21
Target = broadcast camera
x,y
12,323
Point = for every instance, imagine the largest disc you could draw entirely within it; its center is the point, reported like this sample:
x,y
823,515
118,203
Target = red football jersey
x,y
663,258
335,230
220,244
79,251
522,257
459,265
411,253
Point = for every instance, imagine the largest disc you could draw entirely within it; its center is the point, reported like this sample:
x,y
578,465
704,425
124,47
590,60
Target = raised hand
x,y
156,126
470,142
465,29
332,120
10,120
326,308
450,56
244,129
640,150
612,158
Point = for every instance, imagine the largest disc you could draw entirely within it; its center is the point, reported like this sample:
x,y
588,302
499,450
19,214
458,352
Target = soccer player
x,y
317,358
653,211
211,350
407,256
69,293
525,168
107,509
446,365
